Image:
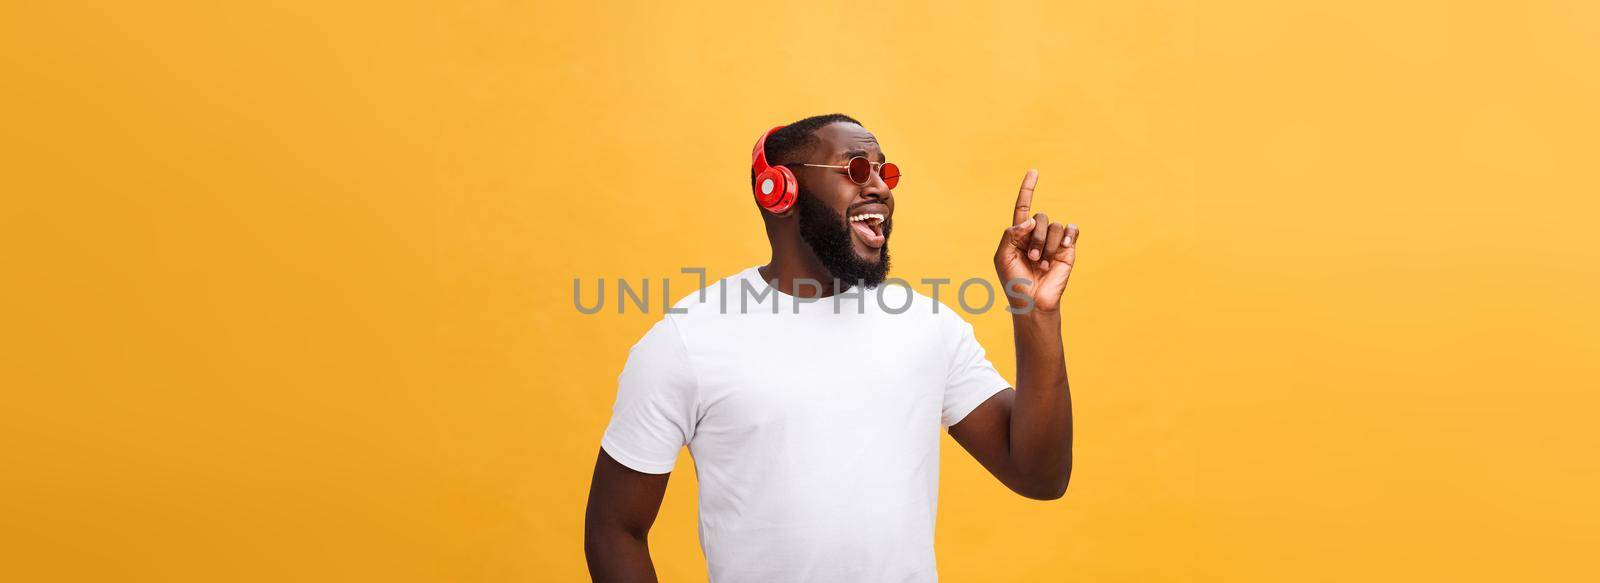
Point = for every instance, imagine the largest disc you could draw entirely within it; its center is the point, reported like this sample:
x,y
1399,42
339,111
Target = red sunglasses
x,y
860,170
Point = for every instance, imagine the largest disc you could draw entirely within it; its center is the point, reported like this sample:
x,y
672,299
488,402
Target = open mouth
x,y
869,228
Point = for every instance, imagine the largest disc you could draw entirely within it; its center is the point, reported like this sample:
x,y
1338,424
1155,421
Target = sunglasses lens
x,y
890,174
860,170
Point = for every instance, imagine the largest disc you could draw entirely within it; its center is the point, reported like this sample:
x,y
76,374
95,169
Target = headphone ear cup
x,y
776,189
790,191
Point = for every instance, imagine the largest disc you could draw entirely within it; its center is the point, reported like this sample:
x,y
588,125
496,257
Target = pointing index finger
x,y
1024,207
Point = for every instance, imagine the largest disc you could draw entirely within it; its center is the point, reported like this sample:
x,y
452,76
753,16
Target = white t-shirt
x,y
815,435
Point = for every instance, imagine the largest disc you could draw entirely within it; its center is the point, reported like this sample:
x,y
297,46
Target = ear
x,y
777,190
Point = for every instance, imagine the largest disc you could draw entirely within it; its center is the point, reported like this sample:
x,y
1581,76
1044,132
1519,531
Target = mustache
x,y
862,204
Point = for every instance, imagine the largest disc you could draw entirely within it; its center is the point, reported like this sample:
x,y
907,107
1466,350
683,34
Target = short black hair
x,y
782,145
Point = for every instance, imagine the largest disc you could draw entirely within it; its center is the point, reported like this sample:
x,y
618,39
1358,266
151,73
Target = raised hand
x,y
1035,249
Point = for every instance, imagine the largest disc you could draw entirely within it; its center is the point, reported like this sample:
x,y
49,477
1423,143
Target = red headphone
x,y
775,187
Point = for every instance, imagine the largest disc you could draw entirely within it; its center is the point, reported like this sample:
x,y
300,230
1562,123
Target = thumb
x,y
1016,237
1019,233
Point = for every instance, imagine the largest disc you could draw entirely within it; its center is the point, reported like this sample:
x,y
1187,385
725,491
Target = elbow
x,y
1048,488
1051,492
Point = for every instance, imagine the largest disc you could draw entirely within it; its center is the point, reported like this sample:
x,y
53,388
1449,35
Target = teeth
x,y
866,216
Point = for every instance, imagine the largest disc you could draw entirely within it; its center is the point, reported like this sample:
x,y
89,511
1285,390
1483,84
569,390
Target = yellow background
x,y
287,286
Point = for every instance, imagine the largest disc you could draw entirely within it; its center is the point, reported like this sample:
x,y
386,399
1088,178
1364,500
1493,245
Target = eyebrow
x,y
848,154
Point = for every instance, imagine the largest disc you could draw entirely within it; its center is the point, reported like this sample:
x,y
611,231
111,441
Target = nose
x,y
876,187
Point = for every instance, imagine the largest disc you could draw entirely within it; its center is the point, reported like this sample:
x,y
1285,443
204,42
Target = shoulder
x,y
710,300
706,312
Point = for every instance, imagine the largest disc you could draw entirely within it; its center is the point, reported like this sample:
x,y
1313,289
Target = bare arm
x,y
1024,437
623,503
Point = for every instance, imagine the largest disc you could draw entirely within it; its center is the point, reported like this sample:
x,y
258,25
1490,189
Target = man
x,y
814,427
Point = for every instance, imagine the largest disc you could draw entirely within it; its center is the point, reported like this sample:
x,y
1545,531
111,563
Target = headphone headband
x,y
758,158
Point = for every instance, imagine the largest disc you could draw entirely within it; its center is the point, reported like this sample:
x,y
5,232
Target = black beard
x,y
828,235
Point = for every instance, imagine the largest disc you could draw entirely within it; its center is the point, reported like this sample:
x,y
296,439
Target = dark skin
x,y
1022,435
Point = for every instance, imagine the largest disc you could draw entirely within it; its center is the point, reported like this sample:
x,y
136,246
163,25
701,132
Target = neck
x,y
797,270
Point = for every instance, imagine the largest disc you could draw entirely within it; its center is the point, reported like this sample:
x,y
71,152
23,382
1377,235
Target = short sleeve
x,y
973,378
654,414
